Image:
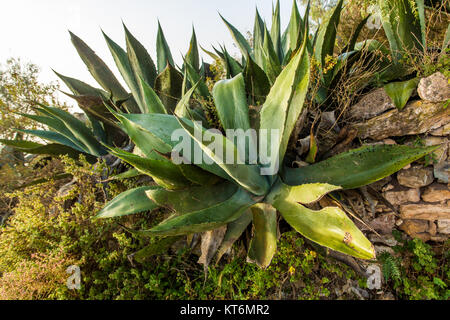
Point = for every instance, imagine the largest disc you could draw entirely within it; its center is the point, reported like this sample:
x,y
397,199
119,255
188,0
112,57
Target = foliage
x,y
20,90
420,273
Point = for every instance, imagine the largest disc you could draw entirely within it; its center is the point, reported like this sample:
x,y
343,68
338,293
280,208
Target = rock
x,y
372,104
416,229
432,228
439,238
415,177
443,226
387,239
398,197
434,88
442,131
441,171
441,153
425,211
383,224
378,185
381,249
417,117
436,193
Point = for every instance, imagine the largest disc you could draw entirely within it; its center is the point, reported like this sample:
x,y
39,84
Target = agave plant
x,y
212,193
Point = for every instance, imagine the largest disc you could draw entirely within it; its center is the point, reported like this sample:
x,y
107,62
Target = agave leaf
x,y
162,127
285,102
351,44
234,231
101,73
233,68
358,167
270,61
197,175
182,109
264,243
54,137
127,203
214,56
53,149
194,198
403,25
140,61
192,55
446,39
275,31
239,39
195,78
163,54
231,103
206,219
157,247
304,193
256,82
400,92
258,39
124,67
164,172
79,130
132,173
211,241
313,149
79,87
329,227
246,175
294,29
326,36
151,102
169,86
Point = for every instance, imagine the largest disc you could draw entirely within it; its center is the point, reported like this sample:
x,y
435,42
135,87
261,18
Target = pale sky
x,y
36,30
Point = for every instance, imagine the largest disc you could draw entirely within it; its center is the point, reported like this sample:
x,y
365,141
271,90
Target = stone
x,y
442,131
416,229
381,249
441,171
443,226
434,88
415,177
386,239
372,104
398,197
378,185
383,224
417,117
440,154
432,228
425,211
436,192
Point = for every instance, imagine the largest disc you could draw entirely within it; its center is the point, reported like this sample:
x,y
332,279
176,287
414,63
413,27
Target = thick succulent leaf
x,y
285,103
197,175
79,130
164,172
264,242
123,65
275,32
446,39
304,193
214,56
234,231
55,137
351,44
101,73
313,149
194,198
162,127
163,54
400,92
211,241
53,149
256,82
129,202
231,103
258,38
402,25
358,167
79,87
294,29
192,55
169,87
239,39
157,247
182,109
326,36
195,78
140,61
232,67
151,102
206,219
246,175
329,227
132,173
270,61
